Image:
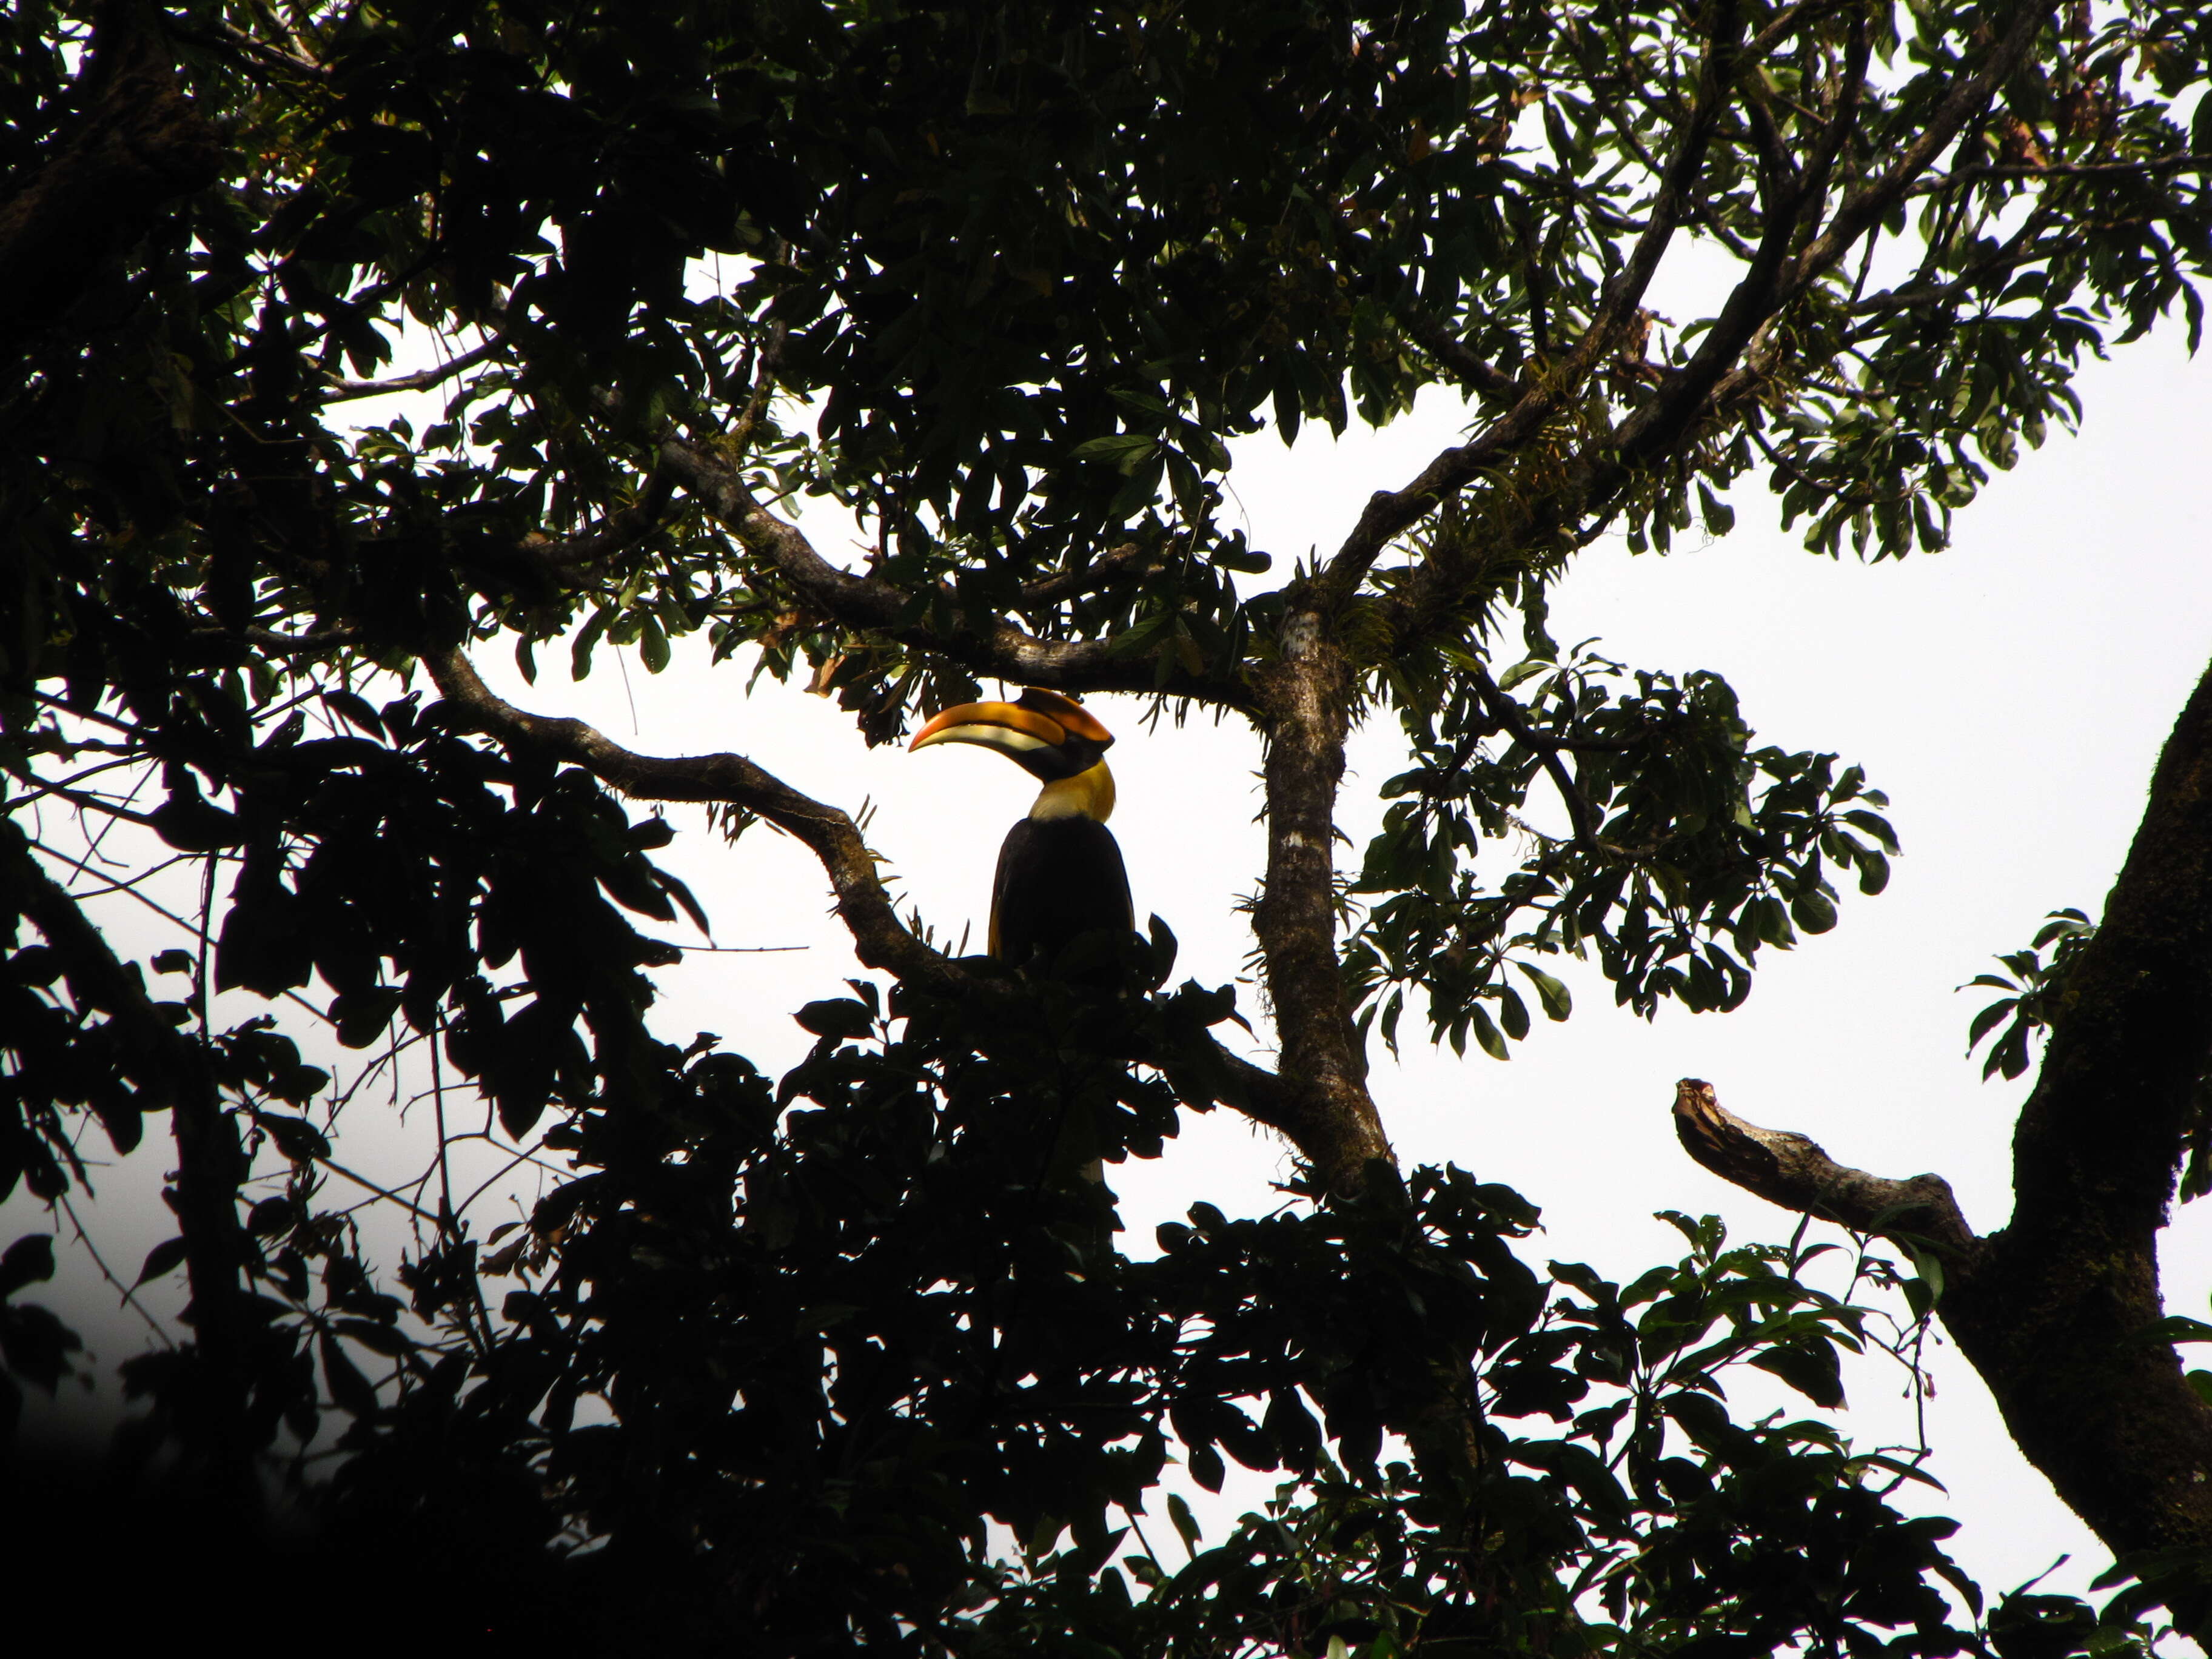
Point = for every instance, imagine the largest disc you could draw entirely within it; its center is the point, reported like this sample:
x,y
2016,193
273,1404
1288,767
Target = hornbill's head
x,y
1055,739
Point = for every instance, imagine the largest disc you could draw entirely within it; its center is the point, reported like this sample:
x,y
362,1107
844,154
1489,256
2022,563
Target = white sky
x,y
2011,696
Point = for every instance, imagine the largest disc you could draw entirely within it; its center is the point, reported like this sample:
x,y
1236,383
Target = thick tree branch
x,y
1787,1169
1308,692
2056,1312
2055,1324
139,145
2100,1141
869,603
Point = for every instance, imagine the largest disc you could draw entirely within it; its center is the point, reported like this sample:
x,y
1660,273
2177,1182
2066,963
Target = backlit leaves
x,y
1650,837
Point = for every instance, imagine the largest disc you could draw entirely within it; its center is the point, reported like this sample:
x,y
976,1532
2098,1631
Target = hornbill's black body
x,y
1059,879
1061,874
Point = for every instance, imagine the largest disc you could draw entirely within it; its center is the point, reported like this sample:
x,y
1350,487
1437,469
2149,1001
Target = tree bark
x,y
139,144
1306,693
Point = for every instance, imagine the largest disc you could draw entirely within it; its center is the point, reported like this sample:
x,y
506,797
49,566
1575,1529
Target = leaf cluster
x,y
838,1355
2034,1000
1685,849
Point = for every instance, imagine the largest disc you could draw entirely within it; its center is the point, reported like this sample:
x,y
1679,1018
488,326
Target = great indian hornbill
x,y
1060,873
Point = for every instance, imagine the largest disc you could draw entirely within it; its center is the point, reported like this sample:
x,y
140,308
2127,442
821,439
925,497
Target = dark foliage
x,y
850,1357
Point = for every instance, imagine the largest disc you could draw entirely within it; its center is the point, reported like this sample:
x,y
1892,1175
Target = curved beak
x,y
1041,719
1005,726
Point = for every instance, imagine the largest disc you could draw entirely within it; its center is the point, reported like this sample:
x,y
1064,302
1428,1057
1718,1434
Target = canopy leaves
x,y
339,341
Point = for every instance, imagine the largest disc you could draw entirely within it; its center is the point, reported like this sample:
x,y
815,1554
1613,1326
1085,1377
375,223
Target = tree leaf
x,y
28,1260
163,1258
1552,993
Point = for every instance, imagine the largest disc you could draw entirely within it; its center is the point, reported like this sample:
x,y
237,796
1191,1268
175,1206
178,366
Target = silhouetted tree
x,y
838,1358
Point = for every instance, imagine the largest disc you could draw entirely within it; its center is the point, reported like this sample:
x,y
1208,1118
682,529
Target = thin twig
x,y
341,392
362,1180
1508,714
129,1292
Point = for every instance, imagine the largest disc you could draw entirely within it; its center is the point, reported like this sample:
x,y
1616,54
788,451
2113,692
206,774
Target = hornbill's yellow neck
x,y
1088,794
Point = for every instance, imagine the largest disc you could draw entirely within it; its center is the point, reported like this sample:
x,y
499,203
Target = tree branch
x,y
1787,1169
869,603
1865,208
139,145
1514,720
880,939
2100,1138
2058,1311
1677,406
1430,333
2023,170
1717,375
225,38
345,390
1674,408
1389,513
2115,1425
1307,694
169,1071
621,530
281,644
1786,23
1121,563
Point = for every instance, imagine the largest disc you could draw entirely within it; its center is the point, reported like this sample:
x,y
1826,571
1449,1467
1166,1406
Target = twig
x,y
1508,714
2163,164
741,949
129,1292
341,392
268,639
386,1192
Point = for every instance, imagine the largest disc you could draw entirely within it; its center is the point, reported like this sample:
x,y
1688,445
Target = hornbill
x,y
1060,872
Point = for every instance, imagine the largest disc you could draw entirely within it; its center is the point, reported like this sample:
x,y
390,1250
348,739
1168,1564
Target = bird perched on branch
x,y
1059,874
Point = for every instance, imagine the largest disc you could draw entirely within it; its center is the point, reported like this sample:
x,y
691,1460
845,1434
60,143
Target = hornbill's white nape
x,y
1060,872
